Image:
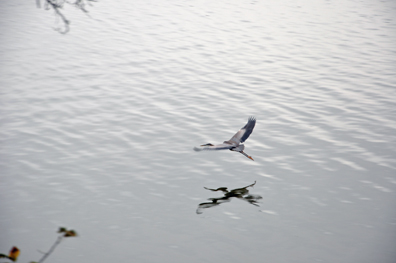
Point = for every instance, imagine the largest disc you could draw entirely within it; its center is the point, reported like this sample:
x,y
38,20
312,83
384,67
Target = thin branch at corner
x,y
57,5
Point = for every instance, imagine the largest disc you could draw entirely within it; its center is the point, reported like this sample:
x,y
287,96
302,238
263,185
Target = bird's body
x,y
235,143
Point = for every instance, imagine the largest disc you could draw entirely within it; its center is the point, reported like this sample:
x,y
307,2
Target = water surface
x,y
98,126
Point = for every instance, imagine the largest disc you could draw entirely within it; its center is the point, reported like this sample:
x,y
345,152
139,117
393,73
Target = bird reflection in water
x,y
241,193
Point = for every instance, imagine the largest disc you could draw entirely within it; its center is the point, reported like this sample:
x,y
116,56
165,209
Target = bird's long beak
x,y
250,157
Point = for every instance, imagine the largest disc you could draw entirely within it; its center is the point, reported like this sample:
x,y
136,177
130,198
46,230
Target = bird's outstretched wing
x,y
244,132
223,146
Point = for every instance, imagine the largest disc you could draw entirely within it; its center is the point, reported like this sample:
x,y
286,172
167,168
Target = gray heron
x,y
235,143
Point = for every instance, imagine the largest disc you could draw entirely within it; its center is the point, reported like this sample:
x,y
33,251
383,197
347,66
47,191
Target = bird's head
x,y
208,144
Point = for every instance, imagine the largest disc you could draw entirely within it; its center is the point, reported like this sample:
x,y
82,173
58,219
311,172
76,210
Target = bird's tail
x,y
197,149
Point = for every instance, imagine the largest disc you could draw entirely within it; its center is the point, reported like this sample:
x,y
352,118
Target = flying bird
x,y
235,143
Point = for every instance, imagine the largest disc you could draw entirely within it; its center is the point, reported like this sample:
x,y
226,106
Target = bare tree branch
x,y
57,5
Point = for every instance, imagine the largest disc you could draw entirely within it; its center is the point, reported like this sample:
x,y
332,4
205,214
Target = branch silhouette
x,y
64,233
14,252
57,6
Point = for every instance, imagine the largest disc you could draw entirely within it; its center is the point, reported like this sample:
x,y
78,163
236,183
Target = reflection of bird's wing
x,y
205,205
223,146
250,185
223,189
252,199
242,191
245,132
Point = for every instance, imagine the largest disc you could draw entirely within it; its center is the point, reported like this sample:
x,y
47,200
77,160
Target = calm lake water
x,y
97,129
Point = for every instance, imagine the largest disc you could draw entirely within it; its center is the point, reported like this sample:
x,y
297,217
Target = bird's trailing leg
x,y
250,157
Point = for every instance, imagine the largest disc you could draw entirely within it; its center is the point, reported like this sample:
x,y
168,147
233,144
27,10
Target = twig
x,y
57,5
51,249
66,22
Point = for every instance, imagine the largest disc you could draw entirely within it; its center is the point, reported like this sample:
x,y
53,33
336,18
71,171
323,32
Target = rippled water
x,y
98,127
